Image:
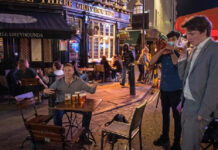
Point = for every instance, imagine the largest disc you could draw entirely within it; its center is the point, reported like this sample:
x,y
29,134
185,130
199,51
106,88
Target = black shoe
x,y
161,141
84,140
175,146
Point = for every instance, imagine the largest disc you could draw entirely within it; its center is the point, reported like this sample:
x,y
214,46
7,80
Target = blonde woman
x,y
141,63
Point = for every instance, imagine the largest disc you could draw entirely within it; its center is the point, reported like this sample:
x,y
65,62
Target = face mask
x,y
171,43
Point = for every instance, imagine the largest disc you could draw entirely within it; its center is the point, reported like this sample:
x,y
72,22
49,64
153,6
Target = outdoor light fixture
x,y
138,9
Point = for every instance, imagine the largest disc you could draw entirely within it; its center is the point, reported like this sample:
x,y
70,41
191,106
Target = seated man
x,y
115,66
70,84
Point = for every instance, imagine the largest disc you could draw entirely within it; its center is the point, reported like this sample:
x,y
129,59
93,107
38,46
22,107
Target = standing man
x,y
69,84
200,78
127,58
170,90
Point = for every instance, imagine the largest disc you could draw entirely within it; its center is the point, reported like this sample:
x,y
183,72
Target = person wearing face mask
x,y
170,90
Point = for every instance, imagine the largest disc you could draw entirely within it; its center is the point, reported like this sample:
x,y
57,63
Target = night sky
x,y
185,7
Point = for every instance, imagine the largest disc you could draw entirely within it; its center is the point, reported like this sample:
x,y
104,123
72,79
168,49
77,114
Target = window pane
x,y
107,29
111,30
101,48
106,48
90,48
96,28
111,47
102,28
96,48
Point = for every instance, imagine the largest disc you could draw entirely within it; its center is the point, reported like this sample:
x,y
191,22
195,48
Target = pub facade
x,y
43,31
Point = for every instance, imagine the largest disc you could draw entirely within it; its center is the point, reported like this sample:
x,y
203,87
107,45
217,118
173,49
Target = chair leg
x,y
27,138
140,138
102,140
112,146
129,143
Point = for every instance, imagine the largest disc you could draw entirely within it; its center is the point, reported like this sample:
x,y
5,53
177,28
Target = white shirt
x,y
58,72
187,91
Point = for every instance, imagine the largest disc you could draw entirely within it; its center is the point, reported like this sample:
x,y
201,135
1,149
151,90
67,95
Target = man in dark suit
x,y
199,74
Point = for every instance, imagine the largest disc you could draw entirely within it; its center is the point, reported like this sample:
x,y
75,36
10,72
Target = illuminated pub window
x,y
1,50
102,42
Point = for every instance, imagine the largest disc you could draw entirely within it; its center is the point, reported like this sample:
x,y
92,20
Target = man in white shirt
x,y
199,74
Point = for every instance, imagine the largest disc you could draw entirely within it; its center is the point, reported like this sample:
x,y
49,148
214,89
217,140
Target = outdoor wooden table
x,y
88,106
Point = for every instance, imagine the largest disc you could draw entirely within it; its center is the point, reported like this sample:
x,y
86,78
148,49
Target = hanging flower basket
x,y
124,35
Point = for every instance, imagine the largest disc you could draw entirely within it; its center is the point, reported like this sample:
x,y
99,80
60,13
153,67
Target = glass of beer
x,y
74,98
82,98
67,98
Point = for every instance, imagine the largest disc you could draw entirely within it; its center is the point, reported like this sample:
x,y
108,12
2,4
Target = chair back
x,y
3,81
46,133
25,101
137,117
99,68
30,82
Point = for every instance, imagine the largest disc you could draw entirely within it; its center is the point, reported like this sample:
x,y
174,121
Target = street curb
x,y
125,104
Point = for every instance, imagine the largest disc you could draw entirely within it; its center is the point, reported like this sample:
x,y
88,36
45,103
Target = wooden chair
x,y
32,84
27,102
100,68
53,137
125,130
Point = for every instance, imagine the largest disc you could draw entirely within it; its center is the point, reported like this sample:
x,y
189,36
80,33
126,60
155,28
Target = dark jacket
x,y
118,66
127,57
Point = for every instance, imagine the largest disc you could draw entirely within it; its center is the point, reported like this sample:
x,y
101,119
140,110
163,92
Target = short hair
x,y
22,64
199,23
172,34
57,65
68,65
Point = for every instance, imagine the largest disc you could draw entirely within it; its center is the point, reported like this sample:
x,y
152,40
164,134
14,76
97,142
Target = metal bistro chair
x,y
50,137
100,68
125,130
210,138
26,102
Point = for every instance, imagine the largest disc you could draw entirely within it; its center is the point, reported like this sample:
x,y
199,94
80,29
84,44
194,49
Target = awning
x,y
34,25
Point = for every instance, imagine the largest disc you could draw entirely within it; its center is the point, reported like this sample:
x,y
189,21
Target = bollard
x,y
131,76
